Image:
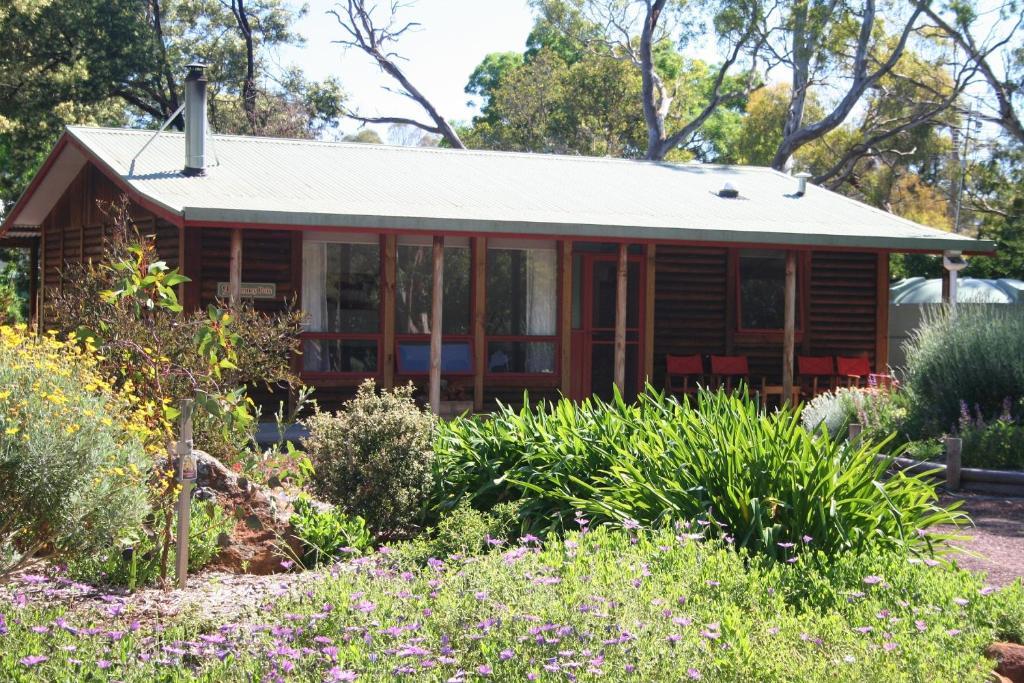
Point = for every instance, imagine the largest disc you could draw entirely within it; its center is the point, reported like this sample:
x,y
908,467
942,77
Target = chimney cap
x,y
803,175
196,70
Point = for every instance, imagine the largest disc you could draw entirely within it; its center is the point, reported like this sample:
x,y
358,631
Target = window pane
x,y
341,287
763,290
533,357
336,355
414,357
415,281
521,292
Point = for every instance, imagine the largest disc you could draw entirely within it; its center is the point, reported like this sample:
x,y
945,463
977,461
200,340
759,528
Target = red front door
x,y
596,366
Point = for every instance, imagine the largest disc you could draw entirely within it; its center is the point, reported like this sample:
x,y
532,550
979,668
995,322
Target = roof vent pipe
x,y
728,191
195,120
801,178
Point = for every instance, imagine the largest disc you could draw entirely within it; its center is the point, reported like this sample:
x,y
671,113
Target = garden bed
x,y
600,605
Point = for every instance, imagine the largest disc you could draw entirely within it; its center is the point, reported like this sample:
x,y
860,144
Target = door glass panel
x,y
605,277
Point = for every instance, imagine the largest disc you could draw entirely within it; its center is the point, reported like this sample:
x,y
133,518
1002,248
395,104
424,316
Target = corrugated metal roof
x,y
301,182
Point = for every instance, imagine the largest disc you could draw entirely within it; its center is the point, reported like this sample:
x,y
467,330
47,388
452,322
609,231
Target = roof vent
x,y
728,191
801,179
195,120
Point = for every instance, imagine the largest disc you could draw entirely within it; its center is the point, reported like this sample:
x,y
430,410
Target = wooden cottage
x,y
481,274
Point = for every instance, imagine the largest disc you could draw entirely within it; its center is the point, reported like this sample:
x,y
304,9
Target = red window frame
x,y
547,338
800,314
445,338
377,336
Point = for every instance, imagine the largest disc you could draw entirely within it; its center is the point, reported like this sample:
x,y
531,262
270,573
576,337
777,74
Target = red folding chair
x,y
728,369
853,370
811,370
678,372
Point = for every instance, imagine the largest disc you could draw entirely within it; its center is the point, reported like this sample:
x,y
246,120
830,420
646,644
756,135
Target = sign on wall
x,y
249,290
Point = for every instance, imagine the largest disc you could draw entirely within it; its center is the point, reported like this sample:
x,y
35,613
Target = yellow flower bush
x,y
75,454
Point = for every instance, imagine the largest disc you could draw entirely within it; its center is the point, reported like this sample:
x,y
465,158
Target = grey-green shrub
x,y
373,458
133,561
73,471
757,478
975,355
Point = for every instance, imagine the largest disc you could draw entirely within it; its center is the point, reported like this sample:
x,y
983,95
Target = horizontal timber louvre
x,y
695,312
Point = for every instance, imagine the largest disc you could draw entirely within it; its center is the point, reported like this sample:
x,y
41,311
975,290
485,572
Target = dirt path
x,y
997,536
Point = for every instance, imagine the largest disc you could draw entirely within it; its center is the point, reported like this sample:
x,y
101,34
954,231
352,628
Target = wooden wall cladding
x,y
843,295
690,303
694,300
79,224
266,257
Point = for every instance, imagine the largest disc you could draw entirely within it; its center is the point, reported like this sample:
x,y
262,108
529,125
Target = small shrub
x,y
133,560
758,479
995,444
463,531
373,457
972,356
328,534
73,464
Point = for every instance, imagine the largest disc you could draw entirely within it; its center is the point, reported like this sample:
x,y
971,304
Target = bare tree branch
x,y
795,133
1003,90
356,18
249,81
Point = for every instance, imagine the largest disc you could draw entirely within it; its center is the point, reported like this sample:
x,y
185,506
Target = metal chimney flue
x,y
195,120
801,179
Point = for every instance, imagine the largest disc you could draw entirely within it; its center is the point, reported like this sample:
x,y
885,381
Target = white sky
x,y
454,37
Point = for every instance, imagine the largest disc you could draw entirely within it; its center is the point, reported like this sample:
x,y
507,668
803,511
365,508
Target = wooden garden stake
x,y
953,446
854,432
186,476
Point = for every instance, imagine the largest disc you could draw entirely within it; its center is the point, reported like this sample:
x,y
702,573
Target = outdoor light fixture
x,y
953,261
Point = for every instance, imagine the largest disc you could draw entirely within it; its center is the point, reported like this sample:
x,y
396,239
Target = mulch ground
x,y
996,543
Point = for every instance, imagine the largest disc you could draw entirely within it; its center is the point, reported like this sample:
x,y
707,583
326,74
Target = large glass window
x,y
522,307
341,299
762,290
414,275
414,288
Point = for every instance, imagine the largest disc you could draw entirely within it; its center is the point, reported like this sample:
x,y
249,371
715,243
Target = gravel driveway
x,y
997,537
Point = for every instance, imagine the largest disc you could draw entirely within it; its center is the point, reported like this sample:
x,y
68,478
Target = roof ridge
x,y
381,147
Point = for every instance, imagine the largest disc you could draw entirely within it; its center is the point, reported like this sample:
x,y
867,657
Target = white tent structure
x,y
918,291
908,298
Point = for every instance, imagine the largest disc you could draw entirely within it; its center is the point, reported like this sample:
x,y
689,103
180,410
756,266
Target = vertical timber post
x,y
479,320
953,461
565,322
388,309
33,283
649,283
186,476
789,329
853,432
235,268
436,309
621,280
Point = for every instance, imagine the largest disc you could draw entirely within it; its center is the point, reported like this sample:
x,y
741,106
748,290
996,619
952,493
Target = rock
x,y
261,515
1009,660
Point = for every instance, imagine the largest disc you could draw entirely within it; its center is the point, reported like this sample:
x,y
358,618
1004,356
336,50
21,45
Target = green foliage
x,y
133,560
997,444
757,478
658,605
373,457
13,286
327,534
127,303
463,531
73,467
973,355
